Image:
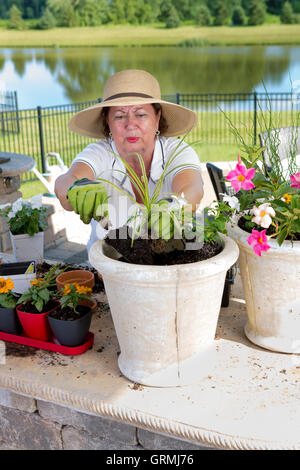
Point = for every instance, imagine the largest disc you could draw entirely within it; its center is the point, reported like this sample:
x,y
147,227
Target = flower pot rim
x,y
88,312
39,314
88,278
287,247
26,235
186,271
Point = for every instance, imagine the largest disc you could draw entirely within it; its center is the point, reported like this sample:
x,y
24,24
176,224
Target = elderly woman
x,y
133,119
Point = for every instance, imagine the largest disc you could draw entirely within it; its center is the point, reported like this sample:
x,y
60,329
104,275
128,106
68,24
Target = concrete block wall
x,y
30,424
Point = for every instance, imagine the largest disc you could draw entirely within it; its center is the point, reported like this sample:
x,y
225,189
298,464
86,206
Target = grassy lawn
x,y
32,188
152,35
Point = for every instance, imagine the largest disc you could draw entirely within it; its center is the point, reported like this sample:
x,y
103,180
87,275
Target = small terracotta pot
x,y
81,276
100,277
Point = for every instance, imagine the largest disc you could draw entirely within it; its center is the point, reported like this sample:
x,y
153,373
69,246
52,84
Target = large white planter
x,y
27,248
165,316
272,292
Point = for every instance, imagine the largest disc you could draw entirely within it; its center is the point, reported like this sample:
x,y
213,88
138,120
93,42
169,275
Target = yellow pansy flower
x,y
67,289
287,197
6,285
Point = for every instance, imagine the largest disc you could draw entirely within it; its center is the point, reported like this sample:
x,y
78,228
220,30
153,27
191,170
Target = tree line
x,y
46,14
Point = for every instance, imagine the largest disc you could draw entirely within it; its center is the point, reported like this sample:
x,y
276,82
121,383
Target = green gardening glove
x,y
88,199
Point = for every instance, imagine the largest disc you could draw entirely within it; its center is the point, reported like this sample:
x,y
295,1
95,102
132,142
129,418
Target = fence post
x,y
255,117
2,123
41,135
177,98
17,111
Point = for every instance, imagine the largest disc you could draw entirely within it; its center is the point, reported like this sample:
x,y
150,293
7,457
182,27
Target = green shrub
x,y
47,21
15,18
257,12
287,15
220,13
172,20
203,16
239,16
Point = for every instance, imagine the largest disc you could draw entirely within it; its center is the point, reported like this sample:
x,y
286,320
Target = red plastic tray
x,y
50,345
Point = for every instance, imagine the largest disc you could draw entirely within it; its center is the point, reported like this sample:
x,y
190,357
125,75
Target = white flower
x,y
232,201
36,202
17,205
11,214
262,215
4,206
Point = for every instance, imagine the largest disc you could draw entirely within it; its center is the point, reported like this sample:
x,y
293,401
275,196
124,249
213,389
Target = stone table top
x,y
249,400
17,165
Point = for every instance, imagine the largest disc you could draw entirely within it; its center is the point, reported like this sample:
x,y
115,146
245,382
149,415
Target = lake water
x,y
49,77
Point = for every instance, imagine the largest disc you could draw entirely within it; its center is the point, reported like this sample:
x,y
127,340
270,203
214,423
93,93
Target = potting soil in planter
x,y
68,314
270,231
29,308
142,251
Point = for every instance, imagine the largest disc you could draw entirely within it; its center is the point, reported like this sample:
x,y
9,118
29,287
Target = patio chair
x,y
217,180
285,140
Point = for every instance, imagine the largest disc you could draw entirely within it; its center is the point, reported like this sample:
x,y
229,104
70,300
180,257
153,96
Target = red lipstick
x,y
132,140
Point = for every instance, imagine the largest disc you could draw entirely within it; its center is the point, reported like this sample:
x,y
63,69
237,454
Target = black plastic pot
x,y
9,321
227,287
72,332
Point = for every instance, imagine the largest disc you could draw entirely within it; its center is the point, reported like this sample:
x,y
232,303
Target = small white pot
x,y
271,285
165,316
27,248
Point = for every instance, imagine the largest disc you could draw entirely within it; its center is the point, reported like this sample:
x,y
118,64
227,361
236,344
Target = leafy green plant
x,y
163,218
40,292
73,294
25,216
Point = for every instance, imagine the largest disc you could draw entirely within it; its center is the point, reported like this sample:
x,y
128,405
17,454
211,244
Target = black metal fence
x,y
9,112
37,131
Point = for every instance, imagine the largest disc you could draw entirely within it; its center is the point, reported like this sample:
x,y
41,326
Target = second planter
x,y
27,248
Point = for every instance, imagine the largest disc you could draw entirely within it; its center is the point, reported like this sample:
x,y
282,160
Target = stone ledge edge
x,y
148,422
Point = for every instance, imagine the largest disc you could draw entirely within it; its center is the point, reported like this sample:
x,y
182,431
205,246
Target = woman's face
x,y
133,128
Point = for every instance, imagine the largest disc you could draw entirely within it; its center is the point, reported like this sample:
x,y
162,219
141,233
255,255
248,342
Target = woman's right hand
x,y
77,171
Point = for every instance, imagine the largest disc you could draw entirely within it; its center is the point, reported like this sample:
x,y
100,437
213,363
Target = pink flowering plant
x,y
268,195
268,205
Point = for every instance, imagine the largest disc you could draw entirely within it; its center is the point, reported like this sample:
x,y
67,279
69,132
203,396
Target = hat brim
x,y
88,122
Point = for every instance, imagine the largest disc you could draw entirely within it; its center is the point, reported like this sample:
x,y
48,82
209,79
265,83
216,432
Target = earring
x,y
110,135
157,133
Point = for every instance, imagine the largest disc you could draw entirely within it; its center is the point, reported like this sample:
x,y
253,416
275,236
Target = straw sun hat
x,y
127,88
